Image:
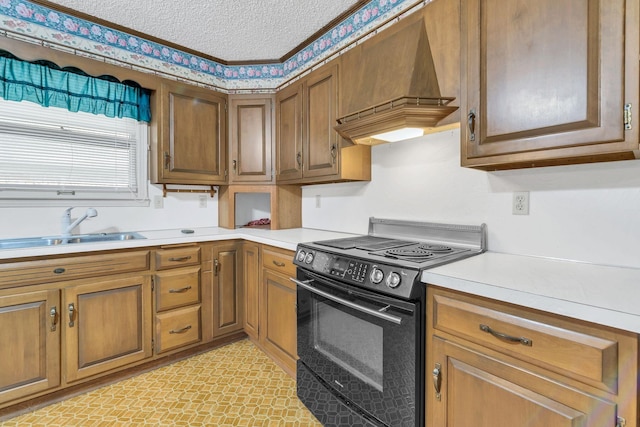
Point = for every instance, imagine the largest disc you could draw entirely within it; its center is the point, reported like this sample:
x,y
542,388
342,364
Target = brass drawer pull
x,y
278,263
181,258
179,291
505,337
180,331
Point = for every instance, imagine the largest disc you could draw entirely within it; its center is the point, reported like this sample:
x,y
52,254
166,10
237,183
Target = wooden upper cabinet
x,y
289,133
309,150
251,139
546,82
192,138
320,140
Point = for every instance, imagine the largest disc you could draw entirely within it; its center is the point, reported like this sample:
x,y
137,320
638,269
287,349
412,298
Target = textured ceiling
x,y
241,30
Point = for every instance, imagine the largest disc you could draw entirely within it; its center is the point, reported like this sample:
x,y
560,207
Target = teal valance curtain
x,y
47,84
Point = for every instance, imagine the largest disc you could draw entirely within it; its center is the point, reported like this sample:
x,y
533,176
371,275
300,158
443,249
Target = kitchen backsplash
x,y
586,212
583,212
180,210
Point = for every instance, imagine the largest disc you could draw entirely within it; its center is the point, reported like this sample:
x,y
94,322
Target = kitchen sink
x,y
31,242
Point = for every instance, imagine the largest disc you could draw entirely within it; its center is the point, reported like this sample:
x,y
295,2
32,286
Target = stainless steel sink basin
x,y
32,242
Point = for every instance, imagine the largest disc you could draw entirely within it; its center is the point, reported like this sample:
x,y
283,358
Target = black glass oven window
x,y
353,343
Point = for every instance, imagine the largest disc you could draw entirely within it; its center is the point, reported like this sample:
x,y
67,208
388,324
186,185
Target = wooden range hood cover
x,y
393,84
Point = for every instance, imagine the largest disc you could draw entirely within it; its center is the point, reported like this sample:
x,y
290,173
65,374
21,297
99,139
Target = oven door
x,y
366,347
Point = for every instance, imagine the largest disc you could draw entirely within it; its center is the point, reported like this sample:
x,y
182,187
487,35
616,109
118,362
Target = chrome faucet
x,y
67,226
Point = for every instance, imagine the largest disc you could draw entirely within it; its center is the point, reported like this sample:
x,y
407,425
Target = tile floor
x,y
234,385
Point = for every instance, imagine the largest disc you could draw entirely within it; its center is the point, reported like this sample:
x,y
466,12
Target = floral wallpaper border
x,y
59,30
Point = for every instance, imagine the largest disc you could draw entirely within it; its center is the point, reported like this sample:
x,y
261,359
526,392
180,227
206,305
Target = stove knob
x,y
309,258
376,275
301,255
393,280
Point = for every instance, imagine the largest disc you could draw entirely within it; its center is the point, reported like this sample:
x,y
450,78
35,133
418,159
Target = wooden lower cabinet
x,y
481,391
30,337
278,319
107,325
270,302
491,364
251,266
228,304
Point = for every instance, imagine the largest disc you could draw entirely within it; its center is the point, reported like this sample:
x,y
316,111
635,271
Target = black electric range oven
x,y
361,319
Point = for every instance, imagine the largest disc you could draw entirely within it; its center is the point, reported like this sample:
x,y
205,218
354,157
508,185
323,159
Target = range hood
x,y
392,86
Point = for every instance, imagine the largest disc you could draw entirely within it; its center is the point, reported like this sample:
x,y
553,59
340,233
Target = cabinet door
x,y
289,133
192,136
251,140
320,141
30,337
251,266
546,82
227,289
480,391
107,325
278,319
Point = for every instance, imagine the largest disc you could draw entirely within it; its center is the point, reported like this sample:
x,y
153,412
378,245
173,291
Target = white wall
x,y
588,213
181,210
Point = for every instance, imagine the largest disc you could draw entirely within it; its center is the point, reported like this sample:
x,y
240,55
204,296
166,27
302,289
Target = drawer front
x,y
177,328
177,257
279,261
177,288
52,270
544,344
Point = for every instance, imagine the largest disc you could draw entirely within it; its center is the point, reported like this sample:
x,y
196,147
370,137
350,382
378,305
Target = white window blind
x,y
52,153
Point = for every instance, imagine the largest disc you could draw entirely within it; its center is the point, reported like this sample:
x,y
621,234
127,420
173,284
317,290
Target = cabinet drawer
x,y
536,339
177,328
177,257
177,288
279,261
77,267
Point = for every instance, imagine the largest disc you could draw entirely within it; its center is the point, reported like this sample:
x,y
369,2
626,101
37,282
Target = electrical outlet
x,y
521,203
158,202
203,201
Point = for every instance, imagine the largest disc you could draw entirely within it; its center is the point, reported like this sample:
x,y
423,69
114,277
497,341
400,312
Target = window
x,y
65,135
54,154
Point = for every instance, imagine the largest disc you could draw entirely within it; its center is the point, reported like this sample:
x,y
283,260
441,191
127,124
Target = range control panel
x,y
384,278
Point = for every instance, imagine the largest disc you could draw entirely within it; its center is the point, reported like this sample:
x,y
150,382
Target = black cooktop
x,y
366,243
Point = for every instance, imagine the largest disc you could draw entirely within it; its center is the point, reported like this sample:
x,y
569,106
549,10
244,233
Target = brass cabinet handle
x,y
179,291
278,263
471,122
216,266
72,315
53,315
299,158
235,165
437,380
180,331
505,337
180,258
334,153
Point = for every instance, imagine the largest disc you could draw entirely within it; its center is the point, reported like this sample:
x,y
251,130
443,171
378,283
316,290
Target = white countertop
x,y
285,239
600,294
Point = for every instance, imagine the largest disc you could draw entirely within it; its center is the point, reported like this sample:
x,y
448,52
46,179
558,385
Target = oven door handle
x,y
388,317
